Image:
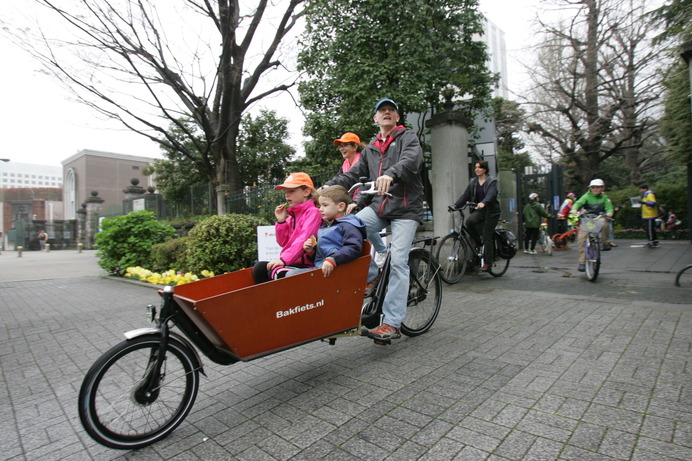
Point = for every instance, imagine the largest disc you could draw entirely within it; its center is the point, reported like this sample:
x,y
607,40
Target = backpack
x,y
505,243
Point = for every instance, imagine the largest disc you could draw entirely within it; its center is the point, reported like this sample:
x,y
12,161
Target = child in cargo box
x,y
340,239
296,220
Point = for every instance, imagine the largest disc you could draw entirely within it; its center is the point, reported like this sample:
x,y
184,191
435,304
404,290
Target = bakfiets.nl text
x,y
299,309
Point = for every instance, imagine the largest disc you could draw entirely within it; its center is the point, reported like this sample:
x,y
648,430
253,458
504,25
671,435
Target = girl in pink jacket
x,y
296,221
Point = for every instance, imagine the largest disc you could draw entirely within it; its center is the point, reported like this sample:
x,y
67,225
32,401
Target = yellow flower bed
x,y
169,277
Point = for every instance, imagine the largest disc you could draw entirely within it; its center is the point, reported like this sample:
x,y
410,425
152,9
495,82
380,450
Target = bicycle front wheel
x,y
452,256
112,407
593,258
684,277
424,293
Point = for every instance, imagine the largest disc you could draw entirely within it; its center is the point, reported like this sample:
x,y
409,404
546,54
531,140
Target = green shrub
x,y
126,241
169,255
223,243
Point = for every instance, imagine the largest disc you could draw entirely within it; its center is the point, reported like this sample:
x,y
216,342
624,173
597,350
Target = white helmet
x,y
597,182
533,196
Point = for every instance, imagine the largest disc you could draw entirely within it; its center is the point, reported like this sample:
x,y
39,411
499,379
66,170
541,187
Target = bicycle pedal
x,y
383,342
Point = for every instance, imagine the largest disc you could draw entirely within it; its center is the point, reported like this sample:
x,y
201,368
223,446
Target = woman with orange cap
x,y
350,146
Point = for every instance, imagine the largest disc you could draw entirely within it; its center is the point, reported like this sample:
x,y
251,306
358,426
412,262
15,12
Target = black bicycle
x,y
457,251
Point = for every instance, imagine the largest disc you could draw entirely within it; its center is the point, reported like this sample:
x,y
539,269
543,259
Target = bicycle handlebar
x,y
370,191
452,208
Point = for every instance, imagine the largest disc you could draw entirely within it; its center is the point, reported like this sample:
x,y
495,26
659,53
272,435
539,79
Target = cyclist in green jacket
x,y
594,201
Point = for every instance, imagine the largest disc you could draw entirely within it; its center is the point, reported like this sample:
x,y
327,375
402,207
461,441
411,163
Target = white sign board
x,y
267,248
138,204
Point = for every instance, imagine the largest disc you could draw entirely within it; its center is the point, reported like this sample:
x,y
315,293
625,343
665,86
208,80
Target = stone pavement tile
x,y
277,447
588,436
443,450
618,444
628,421
543,449
409,451
470,453
516,445
674,451
364,449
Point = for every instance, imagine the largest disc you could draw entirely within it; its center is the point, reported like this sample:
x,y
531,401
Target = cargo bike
x,y
141,389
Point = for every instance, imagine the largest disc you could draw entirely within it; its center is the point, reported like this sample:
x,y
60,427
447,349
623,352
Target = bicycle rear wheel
x,y
499,265
452,256
559,242
424,293
593,258
114,406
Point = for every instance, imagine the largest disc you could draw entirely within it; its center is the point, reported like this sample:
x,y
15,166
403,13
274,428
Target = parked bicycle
x,y
141,389
457,251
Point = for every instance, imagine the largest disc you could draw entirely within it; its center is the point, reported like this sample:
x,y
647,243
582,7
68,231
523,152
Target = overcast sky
x,y
41,124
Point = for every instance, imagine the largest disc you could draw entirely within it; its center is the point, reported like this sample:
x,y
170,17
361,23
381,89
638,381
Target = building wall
x,y
105,172
15,175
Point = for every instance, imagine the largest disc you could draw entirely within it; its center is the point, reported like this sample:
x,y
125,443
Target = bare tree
x,y
149,64
595,92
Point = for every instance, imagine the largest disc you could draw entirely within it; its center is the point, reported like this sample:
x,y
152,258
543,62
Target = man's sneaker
x,y
533,252
384,332
527,251
379,259
582,268
485,268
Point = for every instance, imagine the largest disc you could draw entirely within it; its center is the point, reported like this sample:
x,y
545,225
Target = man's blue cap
x,y
382,101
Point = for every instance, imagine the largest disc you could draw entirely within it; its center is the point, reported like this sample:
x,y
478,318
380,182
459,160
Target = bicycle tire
x,y
452,256
424,294
593,259
109,408
686,279
559,242
499,265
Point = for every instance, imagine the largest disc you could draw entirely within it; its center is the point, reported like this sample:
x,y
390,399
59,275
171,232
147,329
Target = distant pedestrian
x,y
42,239
533,212
649,214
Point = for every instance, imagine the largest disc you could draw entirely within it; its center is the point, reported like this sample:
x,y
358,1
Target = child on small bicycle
x,y
296,221
593,201
340,238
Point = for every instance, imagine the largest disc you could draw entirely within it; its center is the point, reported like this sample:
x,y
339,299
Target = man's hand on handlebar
x,y
370,187
383,183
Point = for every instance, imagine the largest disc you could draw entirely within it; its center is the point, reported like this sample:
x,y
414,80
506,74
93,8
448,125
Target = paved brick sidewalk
x,y
504,374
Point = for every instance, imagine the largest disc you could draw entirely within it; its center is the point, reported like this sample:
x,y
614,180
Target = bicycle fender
x,y
131,334
141,332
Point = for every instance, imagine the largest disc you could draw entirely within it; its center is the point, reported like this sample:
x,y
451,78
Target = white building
x,y
15,175
494,38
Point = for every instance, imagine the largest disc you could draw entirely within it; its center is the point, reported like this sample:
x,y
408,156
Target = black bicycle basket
x,y
506,243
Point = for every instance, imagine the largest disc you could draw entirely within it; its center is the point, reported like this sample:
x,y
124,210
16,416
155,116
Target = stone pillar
x,y
93,209
80,228
449,142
